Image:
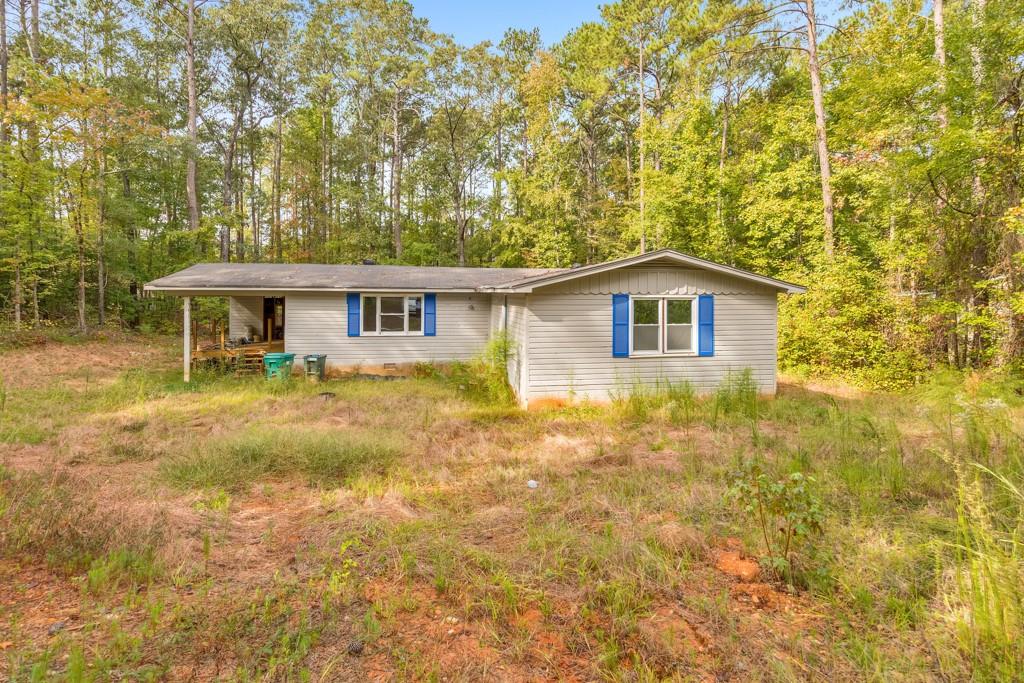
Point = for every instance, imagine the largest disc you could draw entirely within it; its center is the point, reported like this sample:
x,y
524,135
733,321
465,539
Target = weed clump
x,y
985,592
323,458
485,378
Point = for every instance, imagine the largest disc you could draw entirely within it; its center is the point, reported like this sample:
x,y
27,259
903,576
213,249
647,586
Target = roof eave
x,y
231,291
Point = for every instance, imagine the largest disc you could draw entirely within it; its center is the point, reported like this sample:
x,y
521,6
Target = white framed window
x,y
662,325
392,314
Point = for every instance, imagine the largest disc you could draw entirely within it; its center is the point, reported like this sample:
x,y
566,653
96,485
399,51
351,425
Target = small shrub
x,y
682,402
486,377
785,510
851,325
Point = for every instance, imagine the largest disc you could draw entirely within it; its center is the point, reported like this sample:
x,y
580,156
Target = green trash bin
x,y
316,366
279,365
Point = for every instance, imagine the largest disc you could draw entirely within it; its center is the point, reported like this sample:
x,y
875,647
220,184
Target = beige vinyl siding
x,y
570,336
317,323
244,311
518,362
497,314
654,280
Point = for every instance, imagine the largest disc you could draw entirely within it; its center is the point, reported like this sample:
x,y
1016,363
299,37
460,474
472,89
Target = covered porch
x,y
255,326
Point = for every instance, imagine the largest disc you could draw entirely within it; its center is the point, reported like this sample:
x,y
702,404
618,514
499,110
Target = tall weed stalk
x,y
986,599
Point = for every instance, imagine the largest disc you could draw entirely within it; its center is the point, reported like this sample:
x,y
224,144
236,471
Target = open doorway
x,y
273,318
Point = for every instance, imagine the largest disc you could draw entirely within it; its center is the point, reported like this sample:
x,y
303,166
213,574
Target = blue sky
x,y
471,21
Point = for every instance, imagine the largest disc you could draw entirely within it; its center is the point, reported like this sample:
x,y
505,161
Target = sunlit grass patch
x,y
53,517
324,458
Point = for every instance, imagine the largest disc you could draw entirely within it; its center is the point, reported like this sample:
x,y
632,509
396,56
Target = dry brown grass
x,y
439,561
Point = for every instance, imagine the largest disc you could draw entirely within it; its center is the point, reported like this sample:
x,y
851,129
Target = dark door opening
x,y
273,318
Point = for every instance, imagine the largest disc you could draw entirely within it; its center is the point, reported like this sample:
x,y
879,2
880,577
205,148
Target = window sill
x,y
659,354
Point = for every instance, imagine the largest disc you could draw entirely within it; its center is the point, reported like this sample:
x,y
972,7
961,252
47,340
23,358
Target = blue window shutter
x,y
430,315
353,314
705,325
620,325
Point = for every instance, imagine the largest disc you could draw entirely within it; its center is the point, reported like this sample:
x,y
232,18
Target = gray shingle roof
x,y
307,276
225,278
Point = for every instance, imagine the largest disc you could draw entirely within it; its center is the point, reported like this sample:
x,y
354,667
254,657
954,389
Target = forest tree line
x,y
874,155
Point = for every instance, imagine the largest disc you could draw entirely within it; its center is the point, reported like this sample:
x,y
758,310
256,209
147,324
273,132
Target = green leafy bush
x,y
850,325
786,511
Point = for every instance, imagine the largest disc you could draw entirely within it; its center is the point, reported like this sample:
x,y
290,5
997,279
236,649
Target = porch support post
x,y
187,321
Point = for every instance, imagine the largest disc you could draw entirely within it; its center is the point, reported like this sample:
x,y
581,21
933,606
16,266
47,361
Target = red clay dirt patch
x,y
670,636
463,647
730,562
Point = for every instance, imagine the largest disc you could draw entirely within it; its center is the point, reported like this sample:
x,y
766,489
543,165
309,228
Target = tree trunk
x,y
240,214
227,198
101,210
819,130
276,192
3,72
193,110
940,57
396,176
640,146
3,145
80,243
325,180
34,44
723,148
460,220
35,301
254,218
101,266
17,290
978,76
500,154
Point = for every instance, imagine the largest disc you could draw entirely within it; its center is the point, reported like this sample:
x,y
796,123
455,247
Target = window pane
x,y
415,314
680,311
645,311
389,322
392,304
680,338
369,314
645,337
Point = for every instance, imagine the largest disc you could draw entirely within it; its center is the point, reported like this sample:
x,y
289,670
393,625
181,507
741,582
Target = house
x,y
584,332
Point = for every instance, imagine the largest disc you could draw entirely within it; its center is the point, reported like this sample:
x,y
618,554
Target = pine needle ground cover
x,y
237,529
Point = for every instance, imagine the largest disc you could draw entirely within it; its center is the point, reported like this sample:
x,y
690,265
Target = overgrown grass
x,y
322,458
52,517
679,402
426,512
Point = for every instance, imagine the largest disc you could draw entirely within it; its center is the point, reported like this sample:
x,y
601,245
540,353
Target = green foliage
x,y
485,378
785,509
737,394
849,325
380,138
